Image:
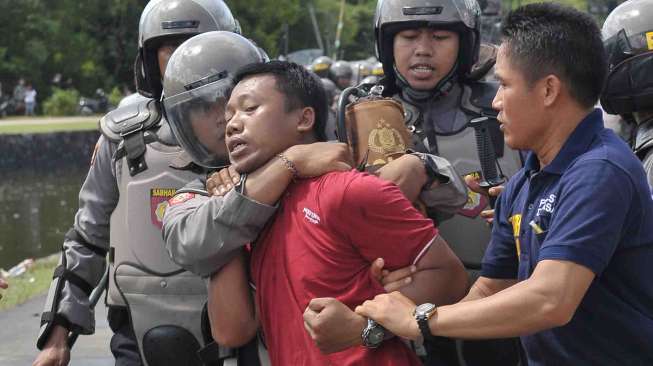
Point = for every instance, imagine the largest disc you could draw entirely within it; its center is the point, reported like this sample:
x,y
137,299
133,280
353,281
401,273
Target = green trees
x,y
269,22
61,102
92,43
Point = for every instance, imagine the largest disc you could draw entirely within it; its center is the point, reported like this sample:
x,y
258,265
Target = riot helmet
x,y
174,21
196,87
321,65
377,69
460,16
340,73
628,39
364,69
371,79
361,70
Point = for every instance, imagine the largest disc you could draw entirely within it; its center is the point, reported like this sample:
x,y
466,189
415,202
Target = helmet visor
x,y
197,120
321,66
629,86
621,46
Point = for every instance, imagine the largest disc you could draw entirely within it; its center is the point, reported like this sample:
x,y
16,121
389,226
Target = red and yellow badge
x,y
158,203
180,198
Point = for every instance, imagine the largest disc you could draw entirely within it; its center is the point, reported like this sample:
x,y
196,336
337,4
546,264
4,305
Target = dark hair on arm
x,y
550,38
300,87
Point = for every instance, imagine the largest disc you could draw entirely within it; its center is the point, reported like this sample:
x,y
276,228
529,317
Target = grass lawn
x,y
47,127
31,283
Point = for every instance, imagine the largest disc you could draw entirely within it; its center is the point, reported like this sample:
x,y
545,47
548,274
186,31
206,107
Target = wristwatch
x,y
422,315
373,334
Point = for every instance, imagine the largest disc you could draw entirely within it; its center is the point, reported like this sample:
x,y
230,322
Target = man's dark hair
x,y
300,87
550,38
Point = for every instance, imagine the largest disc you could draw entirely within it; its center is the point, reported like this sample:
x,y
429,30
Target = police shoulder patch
x,y
181,198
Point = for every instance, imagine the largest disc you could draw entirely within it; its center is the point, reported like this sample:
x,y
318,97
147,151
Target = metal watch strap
x,y
369,328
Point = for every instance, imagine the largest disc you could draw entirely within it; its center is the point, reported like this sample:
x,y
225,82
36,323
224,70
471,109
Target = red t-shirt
x,y
321,243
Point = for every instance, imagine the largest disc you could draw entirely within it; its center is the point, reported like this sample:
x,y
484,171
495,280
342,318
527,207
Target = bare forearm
x,y
58,337
548,299
267,184
231,309
484,287
518,310
408,174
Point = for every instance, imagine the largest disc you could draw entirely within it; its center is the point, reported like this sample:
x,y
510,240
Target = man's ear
x,y
551,89
306,120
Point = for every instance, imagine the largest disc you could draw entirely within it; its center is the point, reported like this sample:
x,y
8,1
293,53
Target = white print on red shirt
x,y
311,216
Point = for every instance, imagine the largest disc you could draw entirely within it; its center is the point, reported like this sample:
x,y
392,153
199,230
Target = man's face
x,y
424,56
258,125
209,127
164,52
520,105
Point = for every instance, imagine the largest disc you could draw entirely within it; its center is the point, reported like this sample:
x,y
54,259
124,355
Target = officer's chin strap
x,y
418,97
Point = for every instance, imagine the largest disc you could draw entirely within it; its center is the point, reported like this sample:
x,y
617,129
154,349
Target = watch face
x,y
376,336
373,334
424,309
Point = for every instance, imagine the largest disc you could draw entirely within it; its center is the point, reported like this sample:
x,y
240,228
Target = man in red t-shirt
x,y
328,229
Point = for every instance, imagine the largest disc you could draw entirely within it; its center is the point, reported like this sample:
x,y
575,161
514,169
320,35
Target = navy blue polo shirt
x,y
591,205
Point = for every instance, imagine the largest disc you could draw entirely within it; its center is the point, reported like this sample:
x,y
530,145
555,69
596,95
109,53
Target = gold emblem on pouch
x,y
386,141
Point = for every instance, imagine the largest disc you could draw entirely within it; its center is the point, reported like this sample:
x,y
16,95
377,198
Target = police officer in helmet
x,y
341,73
428,49
203,231
154,306
321,66
166,24
196,87
628,38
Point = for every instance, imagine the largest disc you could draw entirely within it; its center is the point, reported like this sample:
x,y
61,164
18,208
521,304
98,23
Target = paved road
x,y
19,327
